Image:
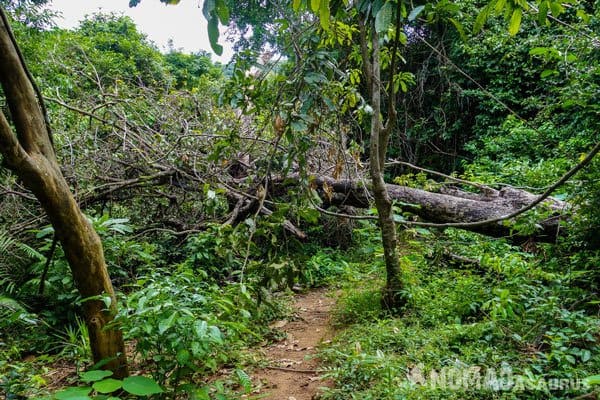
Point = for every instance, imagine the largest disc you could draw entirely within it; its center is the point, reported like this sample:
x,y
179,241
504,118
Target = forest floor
x,y
292,371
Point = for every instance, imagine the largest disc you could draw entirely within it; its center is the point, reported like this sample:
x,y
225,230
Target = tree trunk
x,y
392,297
30,155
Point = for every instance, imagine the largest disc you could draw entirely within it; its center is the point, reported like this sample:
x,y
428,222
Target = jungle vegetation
x,y
433,163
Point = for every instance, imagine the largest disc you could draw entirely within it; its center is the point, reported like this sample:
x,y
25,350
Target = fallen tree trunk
x,y
451,205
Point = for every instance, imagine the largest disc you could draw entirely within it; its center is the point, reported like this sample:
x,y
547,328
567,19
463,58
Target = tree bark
x,y
30,155
392,293
452,206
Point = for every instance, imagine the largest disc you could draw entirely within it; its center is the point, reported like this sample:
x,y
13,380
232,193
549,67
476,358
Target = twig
x,y
302,371
449,177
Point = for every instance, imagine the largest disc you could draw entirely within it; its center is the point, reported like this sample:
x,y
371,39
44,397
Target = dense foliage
x,y
188,170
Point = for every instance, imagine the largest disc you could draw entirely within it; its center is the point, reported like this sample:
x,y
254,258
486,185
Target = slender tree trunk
x,y
30,155
392,293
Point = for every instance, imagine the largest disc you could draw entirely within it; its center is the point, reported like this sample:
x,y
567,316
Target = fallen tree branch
x,y
303,371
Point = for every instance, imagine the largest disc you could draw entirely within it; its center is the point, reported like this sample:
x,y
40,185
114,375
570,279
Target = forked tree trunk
x,y
30,155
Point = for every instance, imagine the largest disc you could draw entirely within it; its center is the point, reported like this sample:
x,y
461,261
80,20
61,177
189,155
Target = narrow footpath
x,y
292,372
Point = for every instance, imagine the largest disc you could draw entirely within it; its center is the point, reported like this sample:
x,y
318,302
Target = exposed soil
x,y
293,369
292,373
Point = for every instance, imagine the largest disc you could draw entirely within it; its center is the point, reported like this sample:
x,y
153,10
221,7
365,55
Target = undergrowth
x,y
483,320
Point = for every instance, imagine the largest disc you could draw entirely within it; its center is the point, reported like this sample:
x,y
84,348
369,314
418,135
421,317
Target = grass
x,y
509,325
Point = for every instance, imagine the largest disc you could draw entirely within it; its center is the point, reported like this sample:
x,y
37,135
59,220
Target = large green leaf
x,y
74,393
93,376
208,8
166,323
515,21
141,386
108,385
324,14
222,11
315,5
415,13
482,17
213,35
593,380
459,28
383,19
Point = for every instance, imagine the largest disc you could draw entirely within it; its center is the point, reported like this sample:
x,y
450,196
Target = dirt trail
x,y
292,373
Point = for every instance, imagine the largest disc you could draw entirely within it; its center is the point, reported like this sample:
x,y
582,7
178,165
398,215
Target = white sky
x,y
184,22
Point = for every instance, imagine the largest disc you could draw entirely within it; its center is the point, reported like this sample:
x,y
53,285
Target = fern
x,y
11,311
6,242
10,304
244,380
30,252
16,260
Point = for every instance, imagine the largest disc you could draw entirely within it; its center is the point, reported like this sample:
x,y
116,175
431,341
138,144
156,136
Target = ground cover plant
x,y
431,166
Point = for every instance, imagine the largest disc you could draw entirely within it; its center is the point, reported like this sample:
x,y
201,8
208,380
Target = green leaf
x,y
208,8
200,328
213,35
585,17
593,380
222,11
459,28
215,334
74,393
482,18
166,323
315,5
296,5
543,12
108,385
556,8
500,4
299,126
244,380
310,215
415,13
93,376
183,356
515,22
399,218
548,72
586,355
538,51
324,14
383,19
47,231
141,386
